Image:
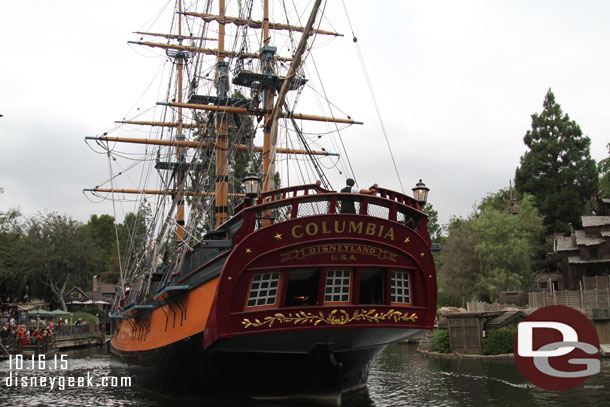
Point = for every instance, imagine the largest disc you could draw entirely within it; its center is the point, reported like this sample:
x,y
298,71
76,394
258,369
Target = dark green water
x,y
400,377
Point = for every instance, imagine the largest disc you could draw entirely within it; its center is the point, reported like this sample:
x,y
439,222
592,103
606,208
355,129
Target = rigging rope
x,y
370,86
116,229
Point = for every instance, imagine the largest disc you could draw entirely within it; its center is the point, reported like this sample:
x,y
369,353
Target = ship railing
x,y
310,189
291,192
397,207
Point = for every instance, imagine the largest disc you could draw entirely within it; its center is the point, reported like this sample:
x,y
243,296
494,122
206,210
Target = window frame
x,y
391,296
351,285
278,294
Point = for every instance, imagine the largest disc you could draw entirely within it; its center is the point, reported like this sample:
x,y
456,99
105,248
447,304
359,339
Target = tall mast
x,y
266,61
180,136
222,145
272,118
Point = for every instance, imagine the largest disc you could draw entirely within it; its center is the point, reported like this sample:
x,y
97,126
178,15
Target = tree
x,y
505,246
133,233
434,229
557,170
101,230
603,168
490,251
12,286
58,254
458,272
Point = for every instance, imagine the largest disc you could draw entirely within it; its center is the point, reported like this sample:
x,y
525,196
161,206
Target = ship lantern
x,y
420,192
252,184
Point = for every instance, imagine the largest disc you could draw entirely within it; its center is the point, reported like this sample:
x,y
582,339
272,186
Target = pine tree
x,y
558,169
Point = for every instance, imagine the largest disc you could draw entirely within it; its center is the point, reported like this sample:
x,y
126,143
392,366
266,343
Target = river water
x,y
400,377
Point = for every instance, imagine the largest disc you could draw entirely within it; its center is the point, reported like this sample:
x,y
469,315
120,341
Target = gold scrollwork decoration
x,y
335,317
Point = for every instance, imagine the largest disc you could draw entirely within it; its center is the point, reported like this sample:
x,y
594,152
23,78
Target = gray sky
x,y
455,82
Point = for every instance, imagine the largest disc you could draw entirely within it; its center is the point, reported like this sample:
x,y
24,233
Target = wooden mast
x,y
271,111
222,145
268,95
154,192
255,24
242,110
272,118
207,51
203,145
180,157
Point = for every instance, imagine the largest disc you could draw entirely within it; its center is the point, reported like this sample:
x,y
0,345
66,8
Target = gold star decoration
x,y
407,240
278,236
248,250
422,254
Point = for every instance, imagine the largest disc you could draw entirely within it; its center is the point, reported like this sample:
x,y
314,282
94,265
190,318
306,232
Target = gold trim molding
x,y
335,317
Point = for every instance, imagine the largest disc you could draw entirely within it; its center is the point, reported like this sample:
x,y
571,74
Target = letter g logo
x,y
553,344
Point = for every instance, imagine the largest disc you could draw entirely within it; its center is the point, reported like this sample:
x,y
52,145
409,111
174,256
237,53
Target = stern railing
x,y
310,200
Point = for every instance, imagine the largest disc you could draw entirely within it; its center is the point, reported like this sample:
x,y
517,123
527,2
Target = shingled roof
x,y
564,244
583,240
578,260
593,221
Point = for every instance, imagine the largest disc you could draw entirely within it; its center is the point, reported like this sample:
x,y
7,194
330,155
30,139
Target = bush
x,y
499,341
85,316
441,341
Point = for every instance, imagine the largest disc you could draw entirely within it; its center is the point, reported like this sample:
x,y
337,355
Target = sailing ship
x,y
256,290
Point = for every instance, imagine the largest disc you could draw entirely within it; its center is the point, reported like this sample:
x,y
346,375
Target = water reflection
x,y
400,377
404,377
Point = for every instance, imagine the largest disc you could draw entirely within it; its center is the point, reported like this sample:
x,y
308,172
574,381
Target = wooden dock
x,y
65,337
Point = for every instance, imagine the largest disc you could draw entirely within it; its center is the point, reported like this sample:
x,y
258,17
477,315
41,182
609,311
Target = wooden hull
x,y
296,309
310,370
179,318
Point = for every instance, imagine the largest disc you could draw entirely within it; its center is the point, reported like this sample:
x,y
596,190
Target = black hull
x,y
319,375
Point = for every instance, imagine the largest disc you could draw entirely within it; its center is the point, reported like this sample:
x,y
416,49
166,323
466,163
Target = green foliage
x,y
132,235
434,229
490,251
58,253
441,341
48,254
85,316
445,298
102,232
12,285
458,272
557,170
603,168
505,247
499,341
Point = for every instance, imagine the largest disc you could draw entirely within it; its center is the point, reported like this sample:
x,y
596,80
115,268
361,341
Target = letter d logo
x,y
526,338
556,348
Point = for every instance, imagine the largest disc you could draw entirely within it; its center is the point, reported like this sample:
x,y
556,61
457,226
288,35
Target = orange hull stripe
x,y
197,303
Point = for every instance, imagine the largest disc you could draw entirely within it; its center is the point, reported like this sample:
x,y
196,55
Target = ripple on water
x,y
399,377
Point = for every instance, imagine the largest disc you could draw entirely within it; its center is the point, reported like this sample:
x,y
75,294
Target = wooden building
x,y
585,253
467,329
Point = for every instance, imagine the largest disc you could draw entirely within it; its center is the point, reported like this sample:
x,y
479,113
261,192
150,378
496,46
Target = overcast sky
x,y
456,84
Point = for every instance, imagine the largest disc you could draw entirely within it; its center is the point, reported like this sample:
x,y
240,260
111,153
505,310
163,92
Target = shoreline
x,y
456,355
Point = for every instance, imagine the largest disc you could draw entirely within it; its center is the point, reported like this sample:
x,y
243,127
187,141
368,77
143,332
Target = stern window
x,y
372,286
302,287
338,284
263,290
400,291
